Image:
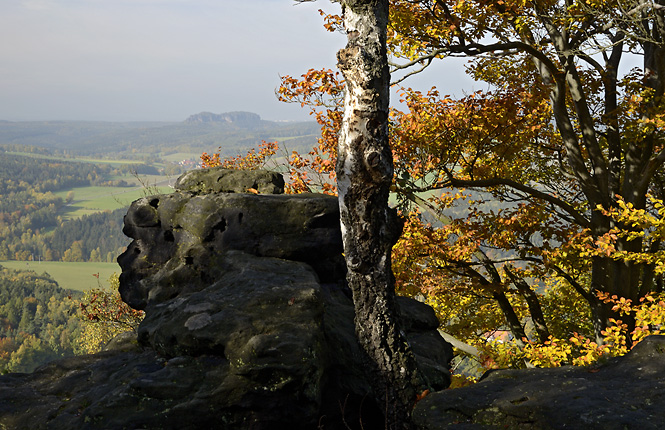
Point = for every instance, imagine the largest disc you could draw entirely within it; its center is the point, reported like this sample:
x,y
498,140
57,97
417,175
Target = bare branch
x,y
474,49
644,5
429,57
494,182
462,346
413,72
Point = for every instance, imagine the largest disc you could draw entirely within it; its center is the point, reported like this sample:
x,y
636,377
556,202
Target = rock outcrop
x,y
625,393
180,239
248,323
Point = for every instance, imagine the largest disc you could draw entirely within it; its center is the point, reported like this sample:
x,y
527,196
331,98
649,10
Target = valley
x,y
65,187
60,178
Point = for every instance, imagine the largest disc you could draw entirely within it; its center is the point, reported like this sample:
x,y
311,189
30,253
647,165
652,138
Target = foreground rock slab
x,y
625,393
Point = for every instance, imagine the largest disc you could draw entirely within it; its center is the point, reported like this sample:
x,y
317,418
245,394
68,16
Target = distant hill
x,y
237,119
235,132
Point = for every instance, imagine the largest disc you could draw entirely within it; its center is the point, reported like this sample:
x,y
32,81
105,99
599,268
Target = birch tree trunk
x,y
369,227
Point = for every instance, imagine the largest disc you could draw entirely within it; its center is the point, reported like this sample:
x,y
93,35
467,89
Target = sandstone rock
x,y
625,393
236,315
265,347
249,324
218,180
179,237
432,354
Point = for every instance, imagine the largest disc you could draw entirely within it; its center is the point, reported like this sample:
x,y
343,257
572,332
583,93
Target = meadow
x,y
91,199
88,200
75,276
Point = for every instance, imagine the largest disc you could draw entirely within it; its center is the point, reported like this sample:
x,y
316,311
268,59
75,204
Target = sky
x,y
164,60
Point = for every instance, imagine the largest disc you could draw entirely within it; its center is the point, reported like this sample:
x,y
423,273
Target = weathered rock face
x,y
625,393
248,325
247,353
180,238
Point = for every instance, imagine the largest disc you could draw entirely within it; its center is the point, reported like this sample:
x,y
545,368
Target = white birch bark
x,y
369,227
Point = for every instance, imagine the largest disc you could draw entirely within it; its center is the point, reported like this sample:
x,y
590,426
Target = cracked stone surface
x,y
624,393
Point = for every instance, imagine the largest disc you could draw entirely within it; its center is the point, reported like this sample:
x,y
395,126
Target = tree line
x,y
21,173
94,237
38,320
42,322
30,224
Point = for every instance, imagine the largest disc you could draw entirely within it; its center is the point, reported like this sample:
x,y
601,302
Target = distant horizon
x,y
156,60
160,60
157,120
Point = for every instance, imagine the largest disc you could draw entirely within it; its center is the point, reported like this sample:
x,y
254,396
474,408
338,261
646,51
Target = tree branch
x,y
494,182
426,64
462,346
532,301
429,57
652,166
474,49
576,285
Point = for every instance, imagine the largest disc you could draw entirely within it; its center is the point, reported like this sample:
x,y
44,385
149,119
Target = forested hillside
x,y
34,167
20,173
38,321
31,225
96,237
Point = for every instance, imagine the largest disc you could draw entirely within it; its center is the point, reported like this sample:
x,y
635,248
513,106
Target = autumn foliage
x,y
255,158
321,91
534,215
104,315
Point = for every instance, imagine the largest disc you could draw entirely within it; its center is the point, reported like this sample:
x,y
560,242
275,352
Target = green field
x,y
75,276
91,192
92,199
89,200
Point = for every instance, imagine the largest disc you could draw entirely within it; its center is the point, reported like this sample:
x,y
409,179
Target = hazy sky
x,y
132,60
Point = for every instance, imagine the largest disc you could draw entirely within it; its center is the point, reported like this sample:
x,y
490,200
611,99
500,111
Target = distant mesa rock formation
x,y
249,323
240,119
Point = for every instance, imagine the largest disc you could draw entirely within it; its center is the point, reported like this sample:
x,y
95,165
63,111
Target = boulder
x,y
180,239
217,180
623,393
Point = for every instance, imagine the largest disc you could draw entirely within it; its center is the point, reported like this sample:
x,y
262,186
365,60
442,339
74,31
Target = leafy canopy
x,y
528,226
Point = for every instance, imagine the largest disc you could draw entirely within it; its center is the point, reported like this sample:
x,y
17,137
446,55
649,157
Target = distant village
x,y
189,164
